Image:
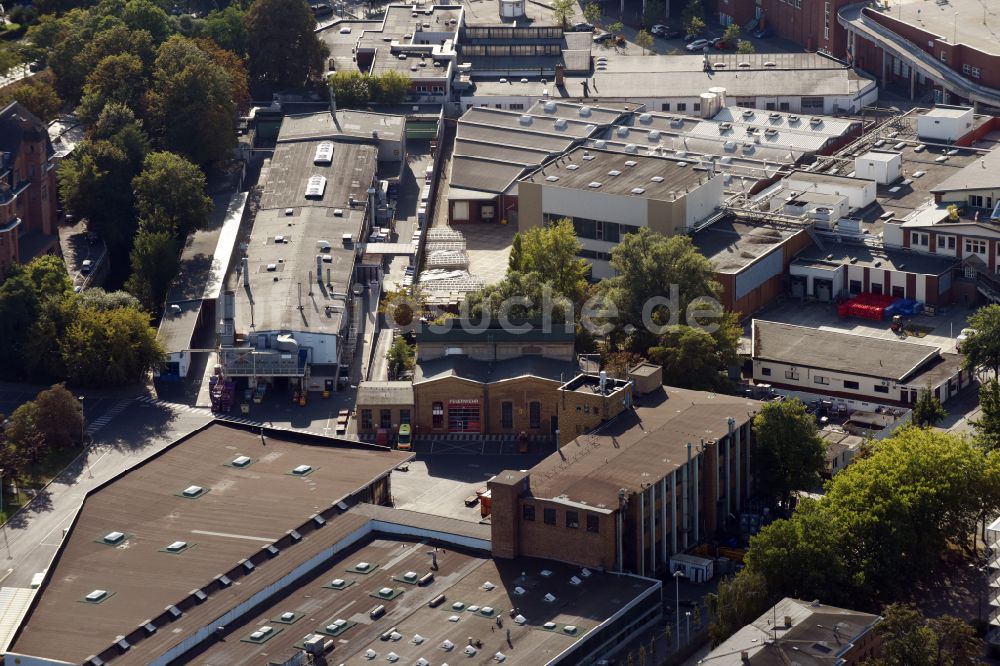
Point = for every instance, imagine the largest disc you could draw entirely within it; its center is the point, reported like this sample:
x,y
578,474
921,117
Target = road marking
x,y
233,536
4,577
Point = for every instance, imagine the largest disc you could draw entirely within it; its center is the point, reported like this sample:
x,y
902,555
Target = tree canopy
x,y
910,639
790,451
552,252
928,410
987,426
282,43
982,349
170,194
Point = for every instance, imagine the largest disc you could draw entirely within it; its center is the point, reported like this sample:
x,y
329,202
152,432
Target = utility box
x,y
882,166
945,123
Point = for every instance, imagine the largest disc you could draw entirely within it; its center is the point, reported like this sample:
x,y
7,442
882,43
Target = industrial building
x,y
230,548
807,633
857,371
630,495
297,297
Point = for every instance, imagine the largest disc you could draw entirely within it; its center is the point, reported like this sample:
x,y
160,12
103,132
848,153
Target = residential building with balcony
x,y
28,207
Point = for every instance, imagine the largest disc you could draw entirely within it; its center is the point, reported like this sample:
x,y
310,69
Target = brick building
x,y
652,482
28,211
811,23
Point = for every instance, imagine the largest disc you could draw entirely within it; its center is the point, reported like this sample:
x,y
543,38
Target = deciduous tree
x,y
645,41
351,90
282,44
982,349
987,426
154,258
170,194
62,417
745,46
552,252
790,451
928,410
37,95
563,11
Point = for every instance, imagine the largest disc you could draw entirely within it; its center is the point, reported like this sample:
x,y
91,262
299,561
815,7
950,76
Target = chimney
x,y
560,74
745,657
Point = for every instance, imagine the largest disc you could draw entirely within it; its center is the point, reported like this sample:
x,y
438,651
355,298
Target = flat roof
x,y
817,636
462,577
981,174
733,246
488,372
834,256
843,352
385,393
627,77
481,174
240,511
638,446
790,122
348,175
204,261
346,123
941,20
621,174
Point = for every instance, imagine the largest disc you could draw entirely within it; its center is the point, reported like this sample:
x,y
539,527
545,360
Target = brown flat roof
x,y
241,511
639,447
461,577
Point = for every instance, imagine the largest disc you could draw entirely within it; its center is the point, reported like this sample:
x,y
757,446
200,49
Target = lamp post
x,y
83,437
677,589
4,525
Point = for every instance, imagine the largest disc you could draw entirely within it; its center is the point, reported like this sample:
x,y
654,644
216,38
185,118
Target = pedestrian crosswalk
x,y
105,418
150,400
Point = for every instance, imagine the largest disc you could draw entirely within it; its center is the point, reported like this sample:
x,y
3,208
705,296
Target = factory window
x,y
976,200
855,287
506,414
792,373
404,416
783,106
366,419
850,385
460,211
572,519
812,104
528,512
665,106
819,379
385,418
881,389
766,372
977,246
946,242
593,524
534,414
696,106
517,107
437,414
682,106
549,516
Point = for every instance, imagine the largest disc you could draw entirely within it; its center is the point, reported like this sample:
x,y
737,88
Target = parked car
x,y
721,44
964,335
665,32
697,45
86,266
764,33
582,26
603,37
322,9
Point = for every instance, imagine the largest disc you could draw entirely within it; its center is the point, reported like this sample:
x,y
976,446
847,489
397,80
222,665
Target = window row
x,y
496,50
572,518
384,418
500,32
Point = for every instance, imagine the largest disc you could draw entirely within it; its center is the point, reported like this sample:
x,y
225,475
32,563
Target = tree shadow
x,y
41,503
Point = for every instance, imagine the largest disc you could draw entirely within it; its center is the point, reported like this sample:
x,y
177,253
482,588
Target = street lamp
x,y
83,437
677,589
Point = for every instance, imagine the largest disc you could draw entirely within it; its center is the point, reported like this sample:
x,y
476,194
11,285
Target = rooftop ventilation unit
x,y
638,190
622,131
770,131
177,546
770,64
302,469
560,123
315,187
525,120
725,127
645,118
324,153
654,135
774,116
680,153
587,157
193,491
631,148
572,167
114,537
199,595
552,179
523,80
815,120
287,616
96,595
174,611
593,184
240,461
657,179
630,163
744,65
549,597
614,172
585,111
681,163
676,121
793,119
550,107
748,113
601,143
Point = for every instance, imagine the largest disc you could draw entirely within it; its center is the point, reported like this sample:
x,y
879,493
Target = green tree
x,y
616,28
400,357
958,644
982,349
390,87
563,11
170,194
227,29
910,639
731,34
118,125
987,426
37,95
645,41
95,183
649,267
592,13
791,452
351,90
690,358
745,46
552,252
695,26
98,299
155,258
281,42
739,600
22,432
516,255
116,78
145,15
62,422
928,410
504,298
110,348
22,298
692,10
